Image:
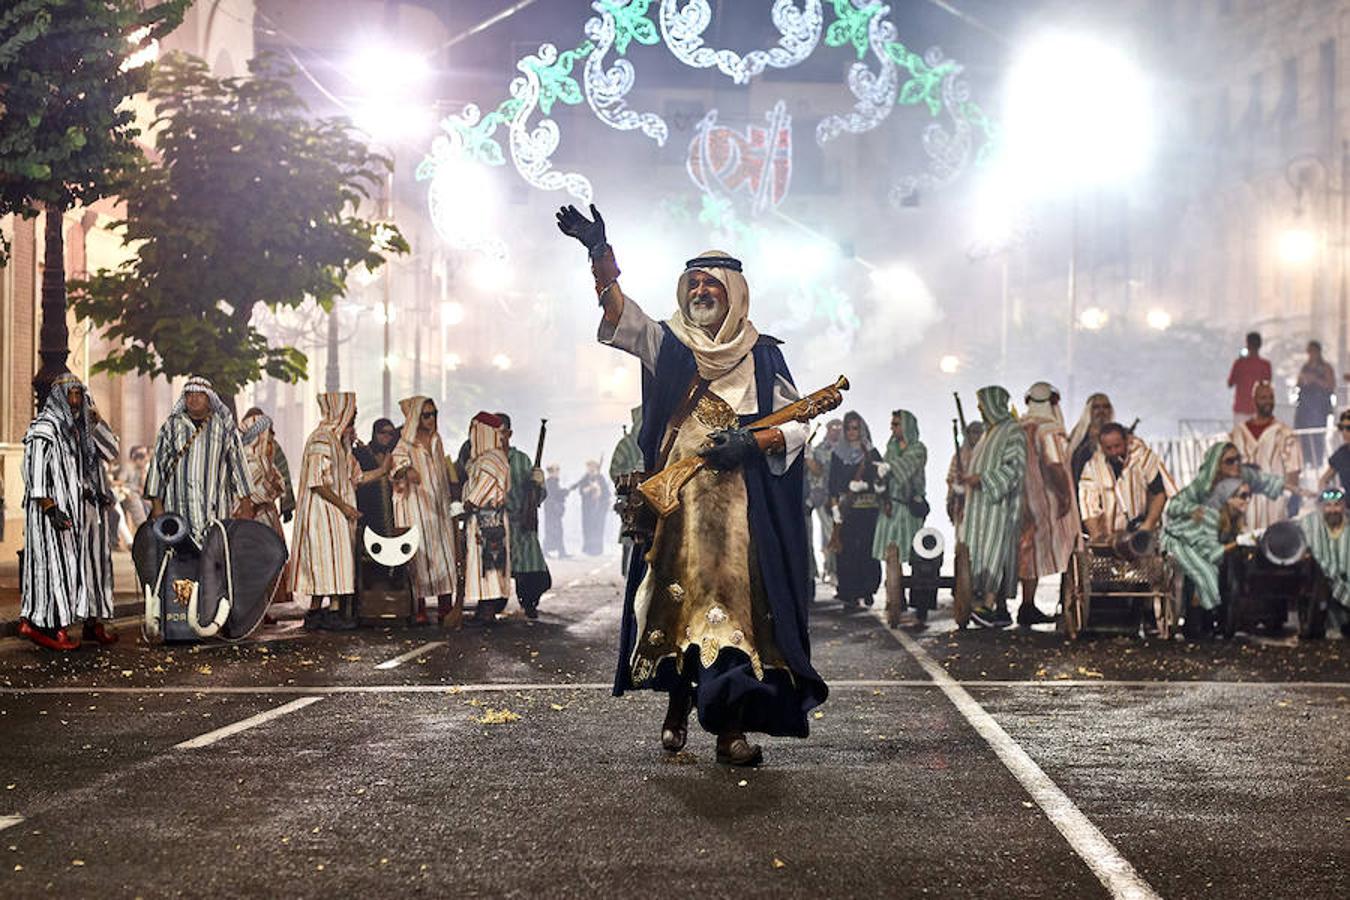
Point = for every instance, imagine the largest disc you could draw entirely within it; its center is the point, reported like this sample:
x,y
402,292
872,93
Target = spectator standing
x,y
1249,370
1337,472
1316,384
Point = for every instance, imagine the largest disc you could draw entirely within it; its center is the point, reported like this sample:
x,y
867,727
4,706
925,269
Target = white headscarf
x,y
1043,403
717,355
1084,425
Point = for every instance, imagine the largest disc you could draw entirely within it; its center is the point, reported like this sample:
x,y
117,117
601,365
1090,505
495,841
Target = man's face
x,y
898,430
707,301
592,468
1114,446
833,432
1333,512
198,404
1344,427
1314,353
75,397
1101,411
1264,398
386,435
1230,463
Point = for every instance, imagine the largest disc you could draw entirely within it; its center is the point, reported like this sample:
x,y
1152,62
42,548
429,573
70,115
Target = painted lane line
x,y
410,655
10,821
1106,862
492,687
245,724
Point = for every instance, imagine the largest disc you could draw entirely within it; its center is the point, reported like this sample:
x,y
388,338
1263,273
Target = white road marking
x,y
504,687
1106,862
410,655
10,821
245,724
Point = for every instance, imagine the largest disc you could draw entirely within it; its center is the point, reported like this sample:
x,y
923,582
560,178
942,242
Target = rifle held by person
x,y
534,494
662,490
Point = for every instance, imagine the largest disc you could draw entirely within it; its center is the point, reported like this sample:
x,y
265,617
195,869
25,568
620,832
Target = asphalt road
x,y
494,762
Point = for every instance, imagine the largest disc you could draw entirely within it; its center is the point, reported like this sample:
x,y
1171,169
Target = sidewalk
x,y
126,600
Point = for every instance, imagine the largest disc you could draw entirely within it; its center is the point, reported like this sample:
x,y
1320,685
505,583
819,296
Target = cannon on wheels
x,y
384,593
1120,587
1260,584
925,576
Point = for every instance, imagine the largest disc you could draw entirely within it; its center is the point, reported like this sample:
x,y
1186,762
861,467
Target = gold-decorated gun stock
x,y
662,490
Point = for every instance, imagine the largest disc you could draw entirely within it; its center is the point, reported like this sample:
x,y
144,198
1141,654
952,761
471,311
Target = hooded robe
x,y
993,511
857,572
426,504
487,566
904,484
324,563
1048,539
54,576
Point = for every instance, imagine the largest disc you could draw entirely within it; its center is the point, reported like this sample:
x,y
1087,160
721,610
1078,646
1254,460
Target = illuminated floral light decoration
x,y
547,78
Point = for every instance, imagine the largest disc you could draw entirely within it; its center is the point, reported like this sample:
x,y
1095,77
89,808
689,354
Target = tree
x,y
65,128
250,200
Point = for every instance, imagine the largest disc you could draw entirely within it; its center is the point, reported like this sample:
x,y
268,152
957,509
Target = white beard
x,y
708,317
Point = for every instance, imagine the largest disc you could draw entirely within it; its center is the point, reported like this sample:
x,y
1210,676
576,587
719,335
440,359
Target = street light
x,y
1159,319
1297,246
949,364
1094,318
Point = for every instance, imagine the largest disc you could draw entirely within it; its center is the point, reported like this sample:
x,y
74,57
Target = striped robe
x,y
526,555
993,512
1192,538
904,482
1332,553
324,560
54,575
98,603
1101,493
208,480
1047,539
489,480
426,505
1277,452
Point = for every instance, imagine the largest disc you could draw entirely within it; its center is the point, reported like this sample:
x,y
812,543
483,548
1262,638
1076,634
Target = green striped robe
x,y
904,482
1332,553
526,555
993,519
1195,544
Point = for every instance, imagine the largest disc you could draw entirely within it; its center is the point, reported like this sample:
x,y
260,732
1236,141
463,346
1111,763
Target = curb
x,y
126,605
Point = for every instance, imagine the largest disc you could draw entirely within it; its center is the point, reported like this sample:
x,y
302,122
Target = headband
x,y
714,262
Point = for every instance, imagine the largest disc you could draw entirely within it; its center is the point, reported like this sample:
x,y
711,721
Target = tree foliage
x,y
250,200
65,129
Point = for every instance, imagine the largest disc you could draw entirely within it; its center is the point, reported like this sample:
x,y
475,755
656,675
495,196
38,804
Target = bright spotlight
x,y
1078,114
1159,319
949,364
1094,318
502,361
452,313
1297,246
380,70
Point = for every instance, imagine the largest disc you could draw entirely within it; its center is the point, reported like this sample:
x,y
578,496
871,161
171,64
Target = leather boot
x,y
675,729
734,750
94,630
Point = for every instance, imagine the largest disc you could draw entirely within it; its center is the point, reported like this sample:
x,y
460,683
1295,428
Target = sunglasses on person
x,y
1344,426
429,415
1230,460
1242,495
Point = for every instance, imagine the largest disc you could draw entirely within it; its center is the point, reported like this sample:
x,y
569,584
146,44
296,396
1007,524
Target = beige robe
x,y
1276,453
1048,539
324,559
1101,493
426,505
489,478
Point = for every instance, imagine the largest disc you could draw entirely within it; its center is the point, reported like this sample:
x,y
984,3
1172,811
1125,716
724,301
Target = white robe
x,y
1277,452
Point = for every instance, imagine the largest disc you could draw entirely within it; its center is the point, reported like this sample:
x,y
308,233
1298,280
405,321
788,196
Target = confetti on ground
x,y
498,716
778,863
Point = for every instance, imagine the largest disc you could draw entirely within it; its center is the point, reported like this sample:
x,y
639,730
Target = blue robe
x,y
729,697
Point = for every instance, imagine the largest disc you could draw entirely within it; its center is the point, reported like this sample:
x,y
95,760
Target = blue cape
x,y
729,696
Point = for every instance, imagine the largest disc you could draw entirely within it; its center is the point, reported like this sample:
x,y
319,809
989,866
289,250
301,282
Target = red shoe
x,y
95,631
65,642
422,618
62,640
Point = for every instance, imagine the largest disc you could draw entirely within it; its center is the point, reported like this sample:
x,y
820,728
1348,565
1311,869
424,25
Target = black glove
x,y
729,448
288,515
575,225
61,521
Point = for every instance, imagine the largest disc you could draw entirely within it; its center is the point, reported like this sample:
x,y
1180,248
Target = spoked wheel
x,y
1167,601
962,588
1076,594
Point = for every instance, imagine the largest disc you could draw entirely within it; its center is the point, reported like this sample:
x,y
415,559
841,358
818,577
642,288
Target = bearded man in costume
x,y
715,614
1329,544
1270,445
197,469
487,559
1097,411
1124,486
993,508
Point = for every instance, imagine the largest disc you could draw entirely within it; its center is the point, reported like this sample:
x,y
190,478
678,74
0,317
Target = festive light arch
x,y
894,76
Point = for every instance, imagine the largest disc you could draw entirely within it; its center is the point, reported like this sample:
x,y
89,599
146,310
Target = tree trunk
x,y
332,373
54,337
